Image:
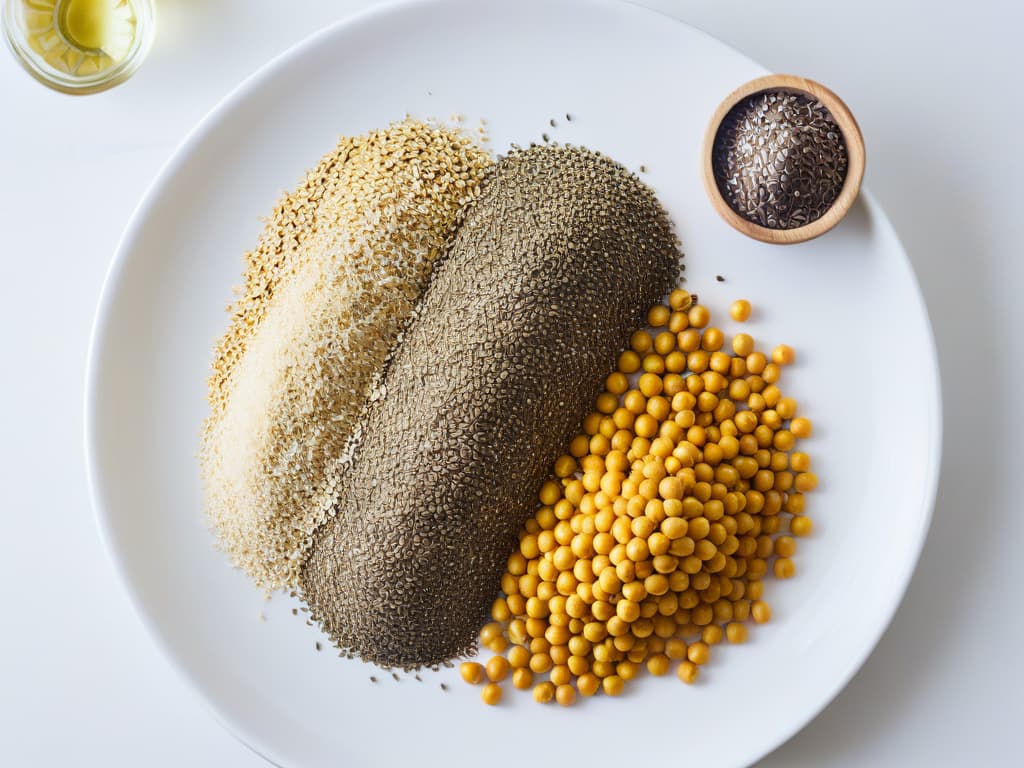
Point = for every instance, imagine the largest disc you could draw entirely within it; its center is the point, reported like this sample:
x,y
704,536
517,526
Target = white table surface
x,y
935,86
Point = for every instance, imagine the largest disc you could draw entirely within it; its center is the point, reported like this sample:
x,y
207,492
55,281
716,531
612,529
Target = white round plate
x,y
640,87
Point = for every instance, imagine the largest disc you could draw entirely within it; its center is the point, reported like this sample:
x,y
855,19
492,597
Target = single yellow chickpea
x,y
650,384
497,645
656,584
679,300
518,657
522,678
550,493
500,611
786,407
540,663
799,461
664,343
658,544
491,694
671,487
675,648
627,611
646,426
711,634
698,362
579,446
516,565
560,674
785,546
658,407
801,427
742,344
760,611
609,580
634,590
578,665
698,653
658,664
627,670
675,363
736,632
616,383
712,339
606,403
588,683
557,634
687,672
739,310
756,363
688,340
784,439
472,672
629,362
801,526
674,527
565,695
634,402
640,342
613,685
699,316
653,363
543,692
658,315
560,653
784,568
783,354
637,550
678,322
805,482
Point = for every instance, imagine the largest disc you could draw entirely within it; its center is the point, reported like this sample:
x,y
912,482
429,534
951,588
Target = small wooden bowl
x,y
854,149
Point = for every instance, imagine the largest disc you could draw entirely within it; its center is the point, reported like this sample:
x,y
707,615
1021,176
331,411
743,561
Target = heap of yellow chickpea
x,y
652,538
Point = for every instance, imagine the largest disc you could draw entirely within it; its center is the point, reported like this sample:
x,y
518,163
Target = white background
x,y
936,88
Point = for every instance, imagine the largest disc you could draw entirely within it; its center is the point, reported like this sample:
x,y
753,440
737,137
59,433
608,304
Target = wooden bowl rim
x,y
852,137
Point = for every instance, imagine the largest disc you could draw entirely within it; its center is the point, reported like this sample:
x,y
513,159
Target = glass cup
x,y
80,46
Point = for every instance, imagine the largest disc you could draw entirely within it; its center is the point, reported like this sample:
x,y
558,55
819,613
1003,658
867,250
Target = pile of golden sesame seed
x,y
653,535
327,291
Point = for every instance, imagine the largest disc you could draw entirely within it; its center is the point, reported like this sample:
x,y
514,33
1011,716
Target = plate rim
x,y
193,139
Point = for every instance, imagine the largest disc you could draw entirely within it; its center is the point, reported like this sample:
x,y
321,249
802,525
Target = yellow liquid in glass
x,y
80,37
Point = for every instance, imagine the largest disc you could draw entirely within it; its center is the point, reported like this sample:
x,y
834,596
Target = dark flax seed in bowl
x,y
783,159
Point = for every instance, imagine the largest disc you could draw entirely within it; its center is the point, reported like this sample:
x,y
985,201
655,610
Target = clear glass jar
x,y
80,46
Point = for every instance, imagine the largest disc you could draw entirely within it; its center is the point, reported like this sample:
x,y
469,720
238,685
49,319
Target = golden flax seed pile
x,y
329,287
